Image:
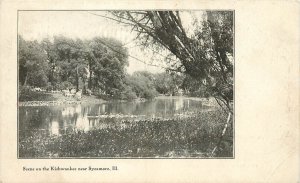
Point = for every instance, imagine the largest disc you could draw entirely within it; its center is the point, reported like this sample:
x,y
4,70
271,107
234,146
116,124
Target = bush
x,y
64,85
49,87
88,92
149,94
26,94
128,94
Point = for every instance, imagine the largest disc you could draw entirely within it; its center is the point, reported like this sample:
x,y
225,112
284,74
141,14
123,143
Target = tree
x,y
33,64
52,58
107,59
71,60
62,47
162,80
194,88
204,54
142,84
168,83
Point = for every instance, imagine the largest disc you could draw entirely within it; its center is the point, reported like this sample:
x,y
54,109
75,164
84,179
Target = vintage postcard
x,y
158,91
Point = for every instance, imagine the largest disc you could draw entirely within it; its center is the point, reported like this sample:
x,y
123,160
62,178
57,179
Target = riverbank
x,y
210,101
54,99
195,136
59,99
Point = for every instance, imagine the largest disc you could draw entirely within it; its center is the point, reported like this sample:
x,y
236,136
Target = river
x,y
59,119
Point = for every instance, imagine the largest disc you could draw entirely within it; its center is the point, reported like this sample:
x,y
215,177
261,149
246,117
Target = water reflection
x,y
54,128
59,119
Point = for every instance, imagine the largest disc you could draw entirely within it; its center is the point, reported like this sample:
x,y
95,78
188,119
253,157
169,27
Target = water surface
x,y
59,119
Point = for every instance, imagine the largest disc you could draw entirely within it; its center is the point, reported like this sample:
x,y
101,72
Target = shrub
x,y
64,85
26,94
149,94
128,94
88,92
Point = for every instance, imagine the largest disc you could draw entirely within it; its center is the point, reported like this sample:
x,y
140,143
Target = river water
x,y
59,119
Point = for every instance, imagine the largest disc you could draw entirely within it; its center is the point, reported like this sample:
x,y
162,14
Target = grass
x,y
188,137
30,96
35,96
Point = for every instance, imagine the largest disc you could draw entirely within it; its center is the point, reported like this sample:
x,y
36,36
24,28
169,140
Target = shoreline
x,y
93,100
61,101
46,103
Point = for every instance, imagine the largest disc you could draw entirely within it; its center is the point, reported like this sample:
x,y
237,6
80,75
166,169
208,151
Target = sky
x,y
37,25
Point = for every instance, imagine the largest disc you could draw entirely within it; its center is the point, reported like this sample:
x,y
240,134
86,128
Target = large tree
x,y
107,59
71,60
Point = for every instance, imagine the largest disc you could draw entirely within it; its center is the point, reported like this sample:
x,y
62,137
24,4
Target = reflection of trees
x,y
124,108
179,104
82,123
60,119
54,127
34,117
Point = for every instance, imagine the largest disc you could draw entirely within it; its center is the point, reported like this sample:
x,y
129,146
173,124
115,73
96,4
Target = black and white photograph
x,y
114,84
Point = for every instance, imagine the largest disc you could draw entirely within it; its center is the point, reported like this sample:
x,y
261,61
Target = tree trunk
x,y
222,135
26,78
84,87
90,80
77,79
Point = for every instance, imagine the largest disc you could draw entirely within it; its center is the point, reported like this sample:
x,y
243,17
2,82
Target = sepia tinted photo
x,y
126,84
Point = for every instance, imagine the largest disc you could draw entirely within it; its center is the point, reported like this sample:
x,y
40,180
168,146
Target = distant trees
x,y
97,64
142,84
148,85
169,83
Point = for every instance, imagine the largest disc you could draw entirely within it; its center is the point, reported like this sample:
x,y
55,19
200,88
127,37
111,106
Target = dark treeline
x,y
95,66
65,63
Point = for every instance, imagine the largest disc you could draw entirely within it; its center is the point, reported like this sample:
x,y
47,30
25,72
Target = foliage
x,y
96,64
142,84
26,94
194,88
33,64
128,94
64,85
169,83
108,61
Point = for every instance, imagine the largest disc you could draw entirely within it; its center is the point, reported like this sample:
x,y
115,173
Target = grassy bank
x,y
189,137
48,99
